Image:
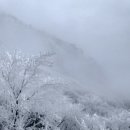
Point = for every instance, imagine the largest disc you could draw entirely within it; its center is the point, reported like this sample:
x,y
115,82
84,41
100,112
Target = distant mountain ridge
x,y
69,61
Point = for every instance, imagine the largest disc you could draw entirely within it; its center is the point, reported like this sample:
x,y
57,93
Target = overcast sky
x,y
100,27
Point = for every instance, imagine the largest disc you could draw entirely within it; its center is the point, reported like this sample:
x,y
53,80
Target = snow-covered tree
x,y
22,83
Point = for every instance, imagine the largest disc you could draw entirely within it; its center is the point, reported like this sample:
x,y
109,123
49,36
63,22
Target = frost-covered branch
x,y
18,74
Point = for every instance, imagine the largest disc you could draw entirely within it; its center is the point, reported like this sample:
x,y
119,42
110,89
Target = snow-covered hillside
x,y
67,100
69,61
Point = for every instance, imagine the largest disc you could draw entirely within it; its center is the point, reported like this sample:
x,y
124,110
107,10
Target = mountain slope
x,y
69,61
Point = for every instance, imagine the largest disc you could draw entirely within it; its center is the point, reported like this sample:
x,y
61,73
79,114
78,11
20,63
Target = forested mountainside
x,y
47,83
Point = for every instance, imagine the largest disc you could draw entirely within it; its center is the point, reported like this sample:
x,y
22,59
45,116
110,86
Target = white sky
x,y
100,27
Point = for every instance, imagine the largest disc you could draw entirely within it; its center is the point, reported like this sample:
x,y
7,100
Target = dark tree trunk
x,y
16,116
